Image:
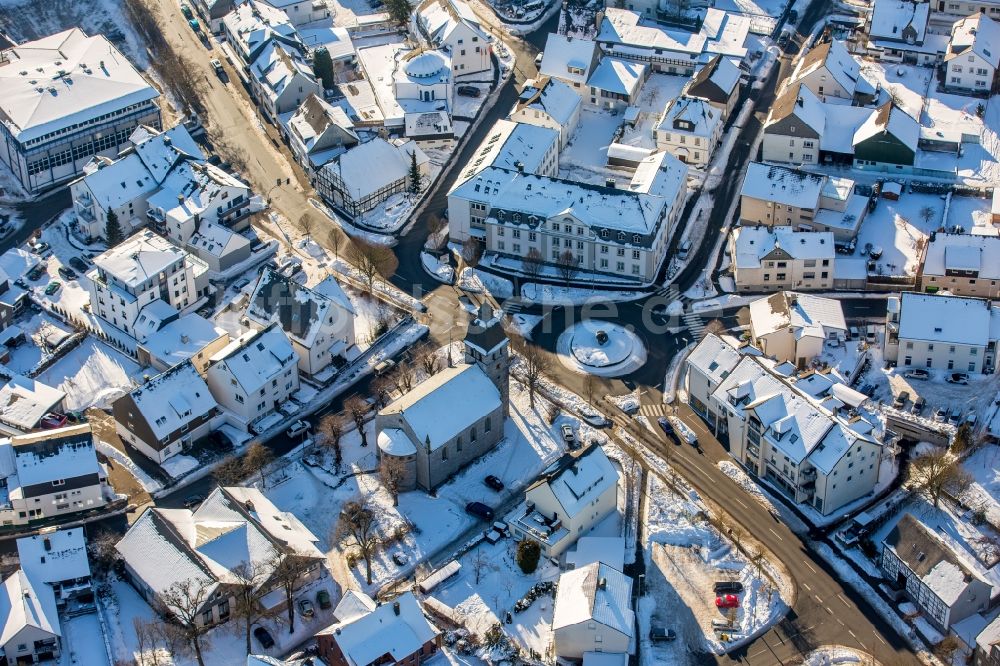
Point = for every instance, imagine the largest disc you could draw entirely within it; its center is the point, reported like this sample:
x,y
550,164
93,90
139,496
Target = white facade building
x,y
66,98
593,612
319,132
764,259
549,103
570,60
794,327
689,129
254,375
144,275
973,54
453,26
252,25
280,80
31,631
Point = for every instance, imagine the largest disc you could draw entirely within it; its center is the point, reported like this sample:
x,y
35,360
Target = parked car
x,y
683,431
667,429
957,378
36,272
467,91
727,601
195,25
53,420
917,373
941,414
297,428
538,59
186,11
918,406
306,608
875,252
263,637
193,501
66,273
479,510
79,264
568,435
901,399
728,587
493,482
323,599
955,416
659,634
217,66
384,367
41,248
53,287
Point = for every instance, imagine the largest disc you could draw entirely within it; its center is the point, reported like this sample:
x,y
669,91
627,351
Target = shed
x,y
892,190
428,584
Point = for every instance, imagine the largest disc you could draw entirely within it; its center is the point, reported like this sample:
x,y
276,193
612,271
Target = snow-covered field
x,y
82,641
92,375
897,227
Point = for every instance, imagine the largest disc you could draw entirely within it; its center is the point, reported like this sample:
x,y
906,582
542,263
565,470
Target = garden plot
x,y
92,375
586,154
969,212
897,227
984,491
909,84
82,641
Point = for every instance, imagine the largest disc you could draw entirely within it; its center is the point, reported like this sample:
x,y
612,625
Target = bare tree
x,y
426,358
403,377
568,266
535,364
472,251
589,383
715,327
357,527
358,409
181,606
331,428
229,472
335,241
937,474
371,260
382,388
308,223
151,649
392,470
927,214
531,265
479,564
248,579
256,460
435,225
102,551
287,570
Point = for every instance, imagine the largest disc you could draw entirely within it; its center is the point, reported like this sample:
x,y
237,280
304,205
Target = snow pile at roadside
x,y
438,269
477,282
179,465
628,403
524,324
833,655
547,294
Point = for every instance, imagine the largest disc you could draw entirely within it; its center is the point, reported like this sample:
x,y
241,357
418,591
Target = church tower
x,y
487,346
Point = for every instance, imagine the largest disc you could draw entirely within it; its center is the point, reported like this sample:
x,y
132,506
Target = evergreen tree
x,y
399,10
323,68
414,173
113,230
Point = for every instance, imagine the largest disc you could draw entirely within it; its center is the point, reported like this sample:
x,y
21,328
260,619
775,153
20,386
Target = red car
x,y
727,601
52,420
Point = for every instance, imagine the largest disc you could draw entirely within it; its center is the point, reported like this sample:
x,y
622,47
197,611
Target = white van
x,y
684,250
682,430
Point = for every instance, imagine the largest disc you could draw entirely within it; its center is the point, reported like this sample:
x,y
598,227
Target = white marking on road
x,y
880,640
829,610
846,602
806,585
853,635
841,622
806,562
818,599
775,534
741,503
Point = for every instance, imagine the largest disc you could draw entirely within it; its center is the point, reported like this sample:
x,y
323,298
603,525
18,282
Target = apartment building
x,y
453,26
67,98
973,55
797,328
832,73
962,264
689,129
768,258
794,127
551,103
281,79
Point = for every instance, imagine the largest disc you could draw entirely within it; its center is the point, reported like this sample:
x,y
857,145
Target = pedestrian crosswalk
x,y
693,323
652,410
512,306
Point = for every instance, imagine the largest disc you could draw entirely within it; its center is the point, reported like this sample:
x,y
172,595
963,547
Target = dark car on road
x,y
79,264
493,482
67,273
667,429
479,510
263,637
728,587
467,91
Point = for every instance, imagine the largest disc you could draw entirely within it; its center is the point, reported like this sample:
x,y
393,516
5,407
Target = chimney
x,y
47,543
798,101
185,338
248,505
519,165
602,584
395,607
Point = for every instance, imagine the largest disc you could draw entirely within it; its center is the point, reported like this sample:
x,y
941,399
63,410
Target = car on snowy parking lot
x,y
568,435
957,378
493,482
916,373
727,601
479,510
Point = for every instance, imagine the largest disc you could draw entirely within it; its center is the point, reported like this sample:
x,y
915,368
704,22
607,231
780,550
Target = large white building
x,y
66,98
794,432
794,327
142,283
50,474
319,323
962,264
452,25
942,332
254,375
973,54
593,612
689,129
551,103
567,501
769,258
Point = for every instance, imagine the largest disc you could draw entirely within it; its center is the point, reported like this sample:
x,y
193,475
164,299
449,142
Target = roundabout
x,y
601,348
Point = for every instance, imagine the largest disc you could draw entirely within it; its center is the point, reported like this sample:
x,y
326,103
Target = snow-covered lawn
x,y
82,641
897,227
547,294
478,281
524,324
621,352
586,154
984,466
92,375
390,215
969,212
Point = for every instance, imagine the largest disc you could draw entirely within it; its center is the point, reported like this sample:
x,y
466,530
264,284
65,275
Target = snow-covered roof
x,y
621,77
752,244
256,357
388,633
331,289
578,481
720,33
26,602
947,319
16,262
353,605
318,126
807,315
714,357
965,253
977,34
720,73
252,506
24,401
890,119
551,96
899,20
989,637
594,593
253,24
838,61
930,559
54,556
783,185
511,146
173,399
568,58
278,66
160,151
429,407
301,312
66,79
396,442
51,455
798,100
139,258
354,167
438,19
841,122
705,119
590,549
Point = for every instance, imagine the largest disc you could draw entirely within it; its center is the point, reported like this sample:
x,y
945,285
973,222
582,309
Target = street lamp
x,y
641,578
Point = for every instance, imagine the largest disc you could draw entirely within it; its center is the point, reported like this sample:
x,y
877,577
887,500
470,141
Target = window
x,y
472,435
444,453
489,424
636,254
